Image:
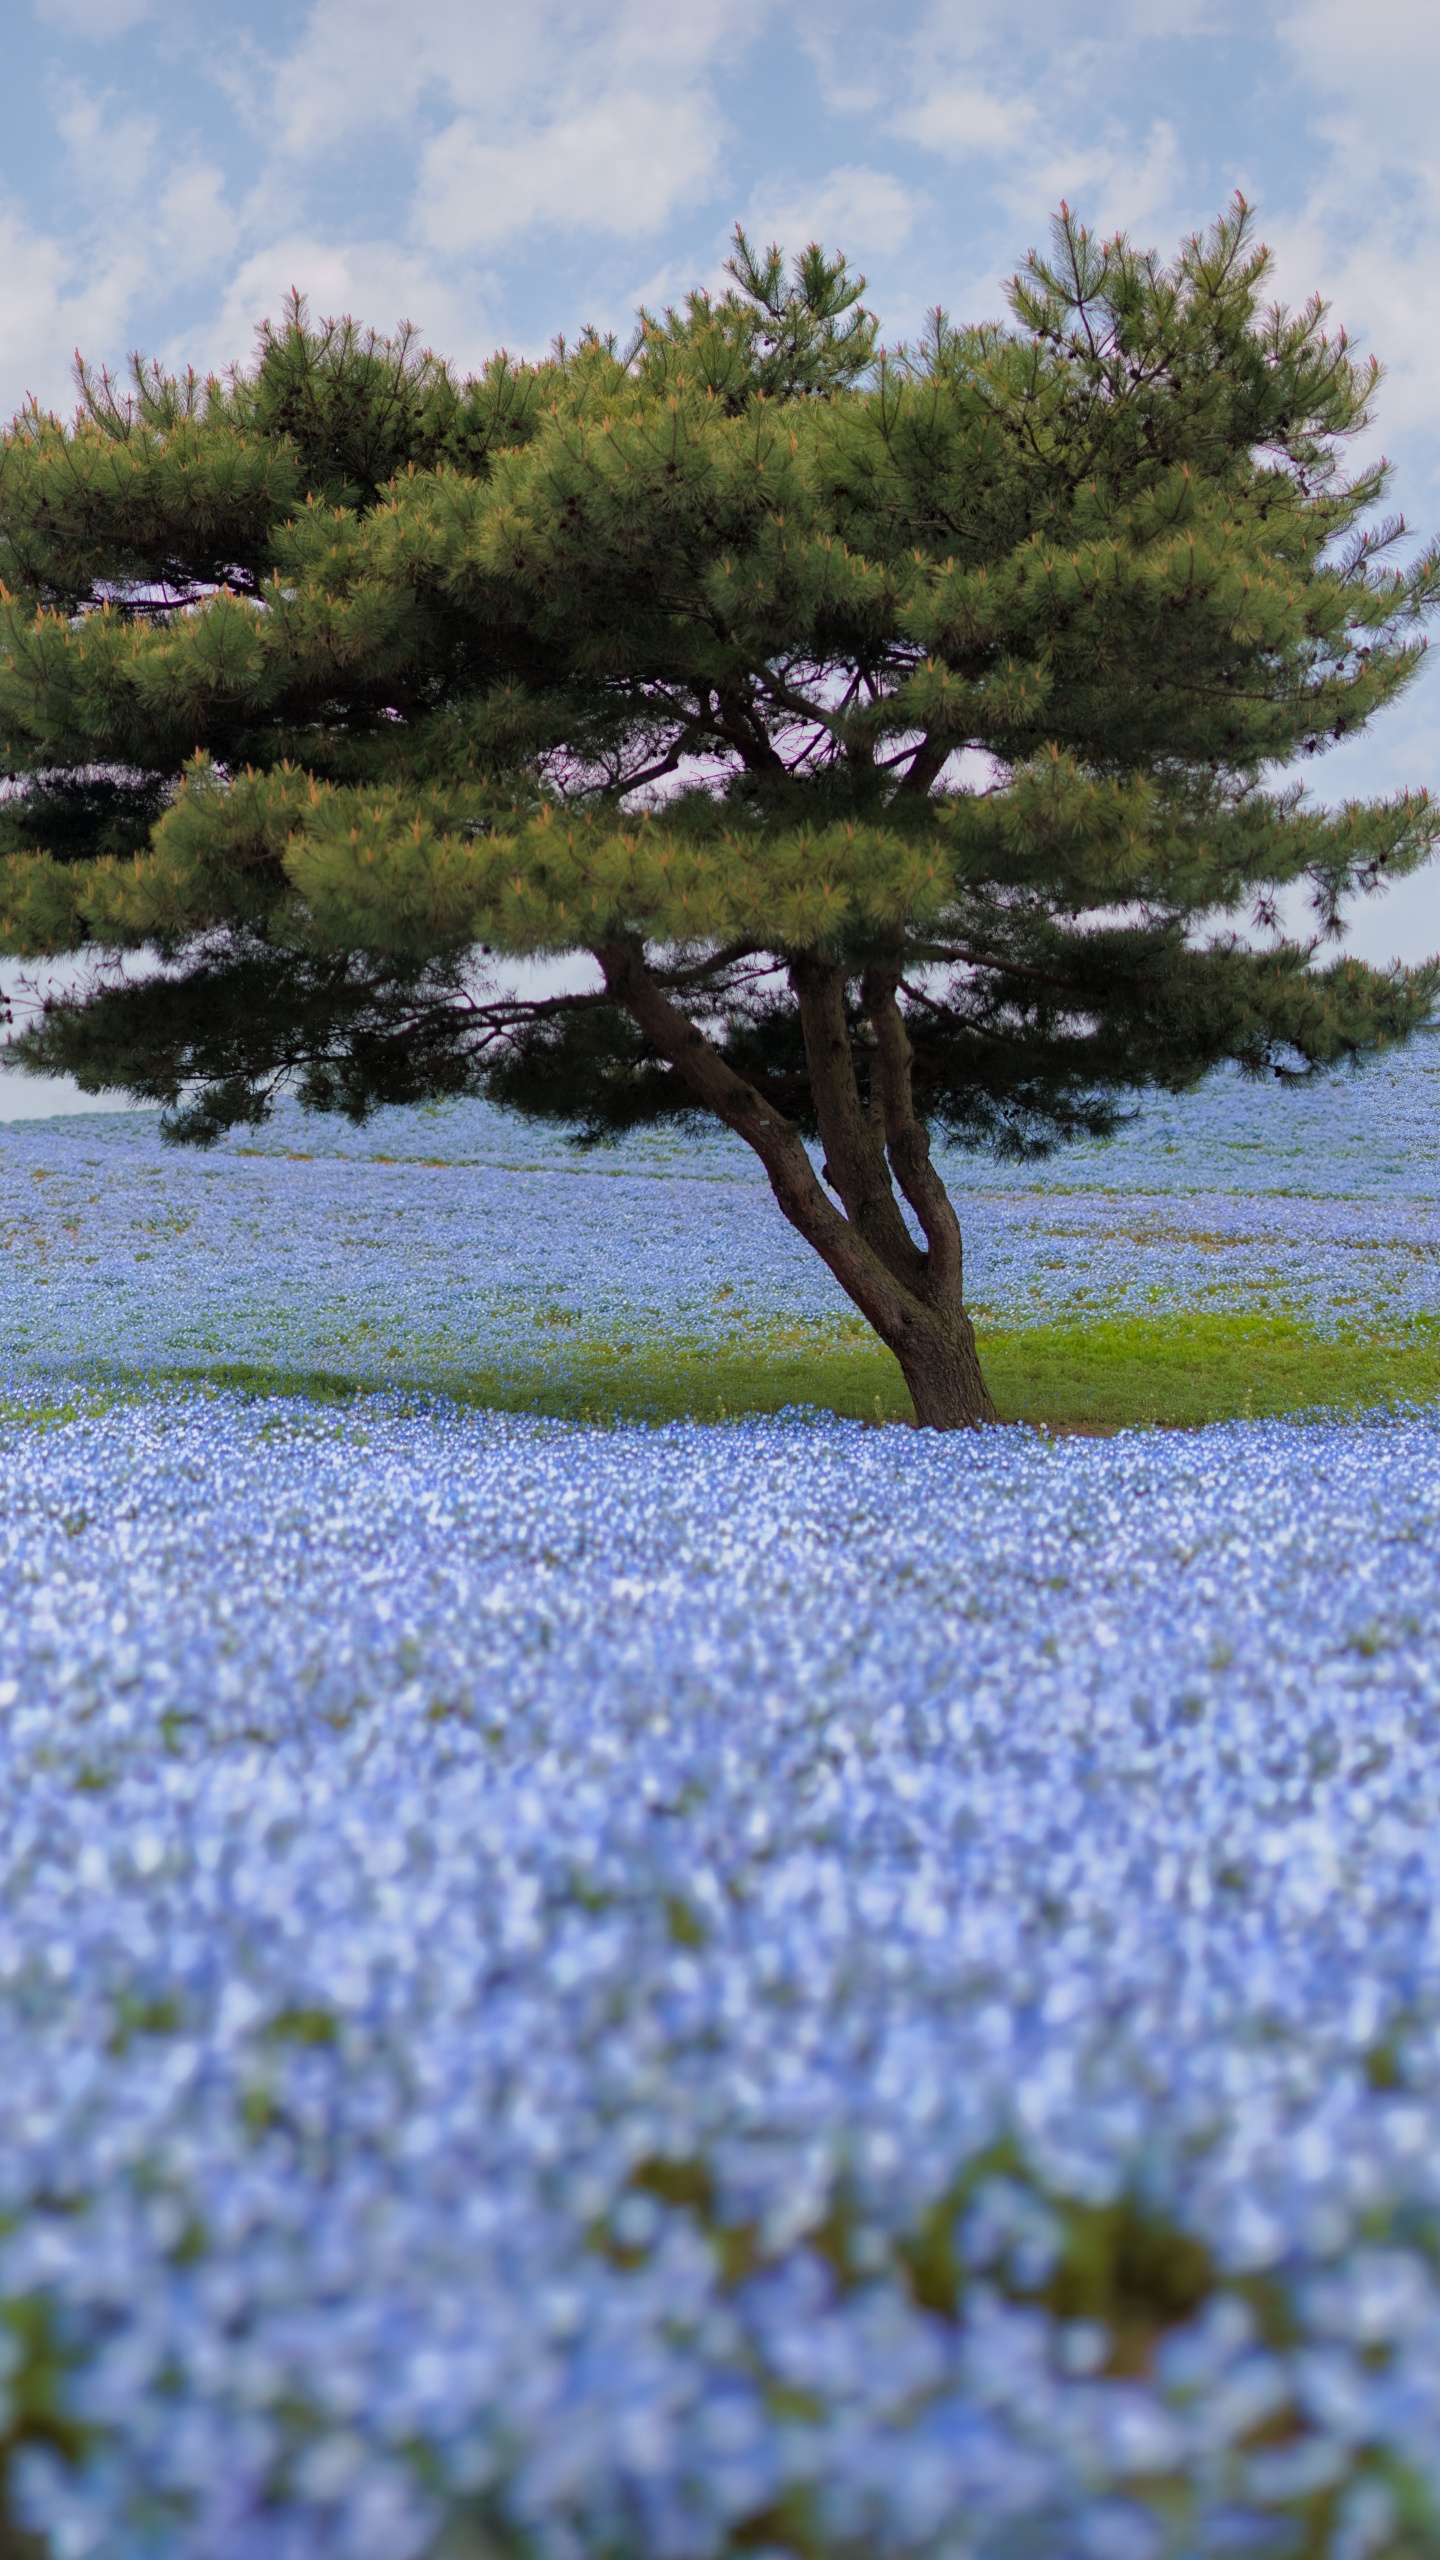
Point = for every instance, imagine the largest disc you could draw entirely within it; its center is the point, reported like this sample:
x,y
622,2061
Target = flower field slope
x,y
785,1988
434,1242
650,1994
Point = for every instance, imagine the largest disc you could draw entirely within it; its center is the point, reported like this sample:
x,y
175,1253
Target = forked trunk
x,y
909,1293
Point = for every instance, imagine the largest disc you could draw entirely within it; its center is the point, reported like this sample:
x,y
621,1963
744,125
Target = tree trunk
x,y
941,1368
911,1294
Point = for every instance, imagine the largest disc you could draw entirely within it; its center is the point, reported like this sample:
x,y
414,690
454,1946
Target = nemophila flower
x,y
437,1237
613,1991
636,1991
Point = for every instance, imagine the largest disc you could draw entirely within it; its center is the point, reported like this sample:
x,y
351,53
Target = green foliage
x,y
34,2365
348,1036
764,338
337,680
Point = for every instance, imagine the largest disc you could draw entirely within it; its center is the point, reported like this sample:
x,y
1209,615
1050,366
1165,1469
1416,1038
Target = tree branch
x,y
882,1299
728,957
735,721
982,960
907,1142
669,763
832,722
511,1009
852,1137
926,769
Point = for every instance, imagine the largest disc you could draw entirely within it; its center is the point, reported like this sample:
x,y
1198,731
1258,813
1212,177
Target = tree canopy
x,y
907,735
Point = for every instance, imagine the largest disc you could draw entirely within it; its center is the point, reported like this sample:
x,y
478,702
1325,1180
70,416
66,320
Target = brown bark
x,y
853,1138
910,1294
926,767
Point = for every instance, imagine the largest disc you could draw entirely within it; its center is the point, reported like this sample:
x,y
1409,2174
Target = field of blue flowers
x,y
431,1241
640,1994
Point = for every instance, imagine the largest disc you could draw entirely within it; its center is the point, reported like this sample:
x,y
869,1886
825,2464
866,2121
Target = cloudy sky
x,y
496,172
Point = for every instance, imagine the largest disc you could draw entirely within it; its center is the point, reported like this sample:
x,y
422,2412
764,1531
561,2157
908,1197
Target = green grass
x,y
1105,1374
49,1413
1211,1367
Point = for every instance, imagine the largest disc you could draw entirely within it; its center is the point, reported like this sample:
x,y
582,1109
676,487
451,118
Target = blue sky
x,y
498,170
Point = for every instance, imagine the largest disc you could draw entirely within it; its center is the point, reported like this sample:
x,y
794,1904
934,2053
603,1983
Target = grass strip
x,y
1106,1374
1185,1370
51,1413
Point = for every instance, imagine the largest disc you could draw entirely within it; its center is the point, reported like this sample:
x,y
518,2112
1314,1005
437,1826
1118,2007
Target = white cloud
x,y
151,220
178,221
109,153
570,113
371,280
963,116
1118,181
1042,107
1381,67
191,225
360,66
1368,228
595,117
36,275
54,298
592,117
865,212
621,164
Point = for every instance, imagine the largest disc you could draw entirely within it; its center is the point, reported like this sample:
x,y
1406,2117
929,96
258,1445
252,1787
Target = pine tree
x,y
899,731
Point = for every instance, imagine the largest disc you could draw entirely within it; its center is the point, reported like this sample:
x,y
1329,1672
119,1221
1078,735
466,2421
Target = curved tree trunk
x,y
910,1293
